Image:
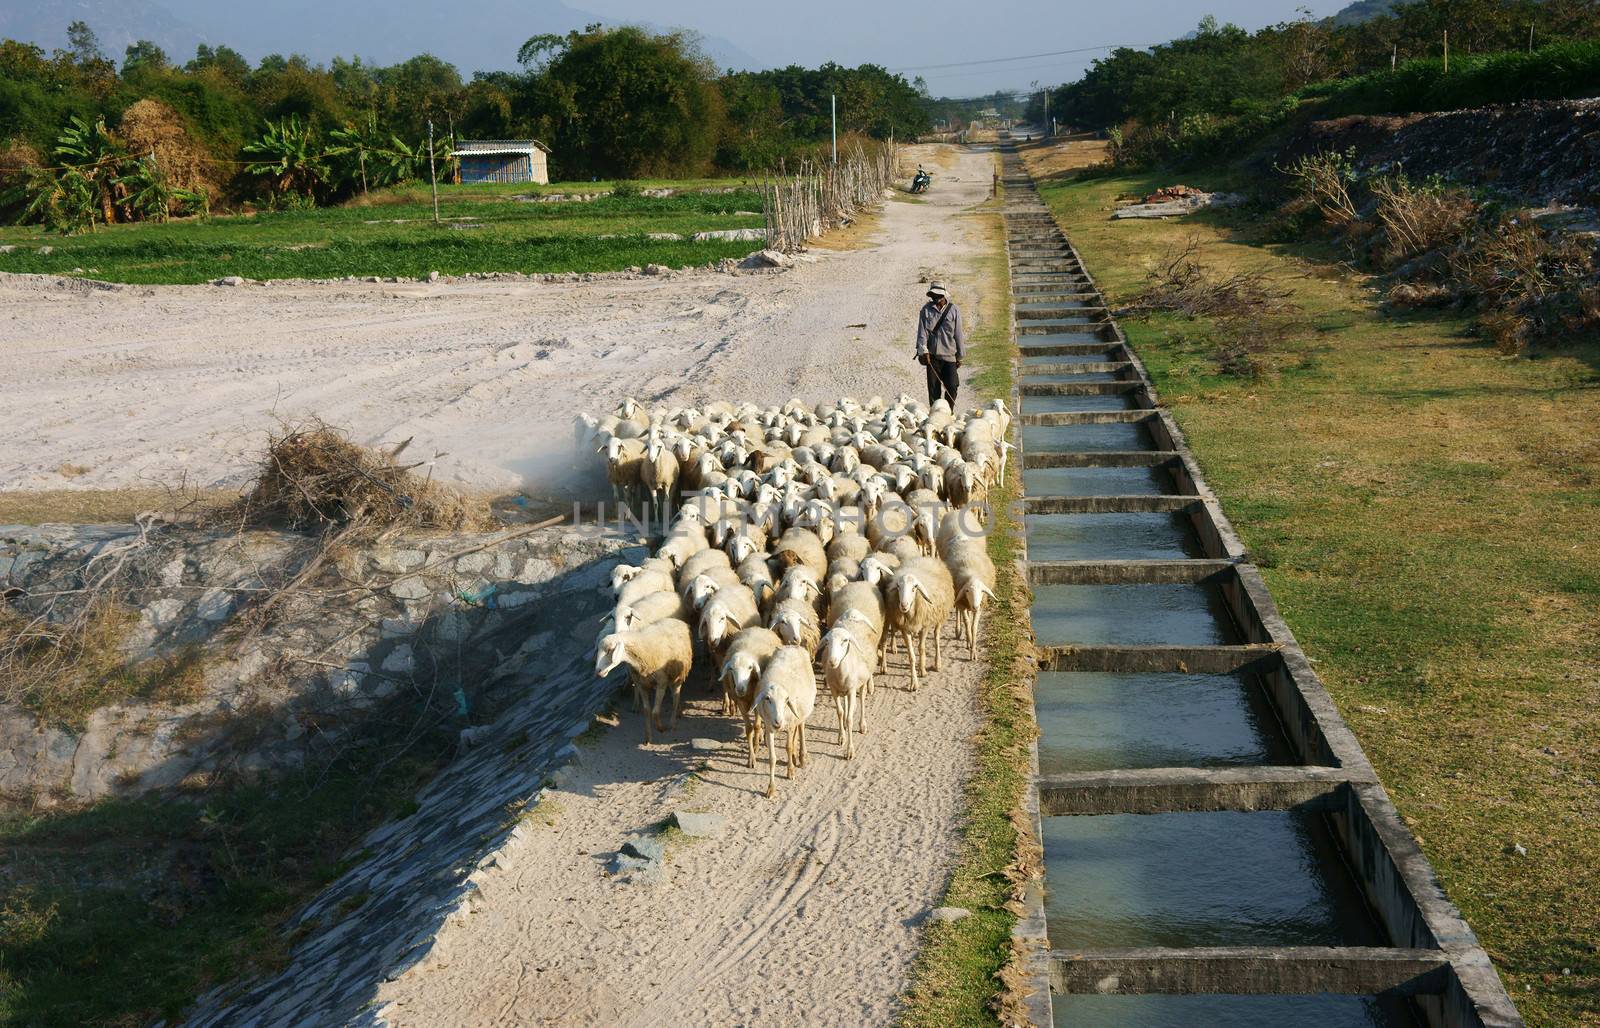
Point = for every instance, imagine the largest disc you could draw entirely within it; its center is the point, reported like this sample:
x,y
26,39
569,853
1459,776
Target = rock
x,y
1519,849
475,563
768,259
644,847
433,276
657,269
7,248
228,280
172,573
214,604
45,251
400,661
665,237
737,235
699,826
398,561
948,913
413,588
626,867
704,745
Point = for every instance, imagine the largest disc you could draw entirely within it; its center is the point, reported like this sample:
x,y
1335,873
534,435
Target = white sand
x,y
148,386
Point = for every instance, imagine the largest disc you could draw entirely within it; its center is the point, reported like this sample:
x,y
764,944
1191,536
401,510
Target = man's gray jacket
x,y
948,342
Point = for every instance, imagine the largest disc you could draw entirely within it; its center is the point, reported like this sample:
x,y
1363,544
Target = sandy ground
x,y
140,386
806,910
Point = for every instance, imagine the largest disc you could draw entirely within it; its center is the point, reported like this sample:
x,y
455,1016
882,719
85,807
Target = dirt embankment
x,y
1543,152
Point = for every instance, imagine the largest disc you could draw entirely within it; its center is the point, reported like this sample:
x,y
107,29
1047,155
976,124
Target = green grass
x,y
953,980
122,912
1427,515
481,231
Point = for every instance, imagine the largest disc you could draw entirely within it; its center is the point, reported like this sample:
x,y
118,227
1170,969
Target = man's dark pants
x,y
943,377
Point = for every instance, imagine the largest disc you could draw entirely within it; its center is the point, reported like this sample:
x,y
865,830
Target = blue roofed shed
x,y
502,160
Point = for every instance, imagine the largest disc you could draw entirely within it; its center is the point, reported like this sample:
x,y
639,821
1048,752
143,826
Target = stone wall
x,y
408,615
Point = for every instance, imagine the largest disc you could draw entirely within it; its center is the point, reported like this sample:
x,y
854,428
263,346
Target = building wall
x,y
503,168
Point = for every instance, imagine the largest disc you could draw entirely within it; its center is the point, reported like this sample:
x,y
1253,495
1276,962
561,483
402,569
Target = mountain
x,y
1365,10
480,36
118,23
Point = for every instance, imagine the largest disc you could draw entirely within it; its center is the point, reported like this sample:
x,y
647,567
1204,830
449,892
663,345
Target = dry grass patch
x,y
101,506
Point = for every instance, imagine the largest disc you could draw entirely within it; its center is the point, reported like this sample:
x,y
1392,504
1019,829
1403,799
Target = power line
x,y
1020,57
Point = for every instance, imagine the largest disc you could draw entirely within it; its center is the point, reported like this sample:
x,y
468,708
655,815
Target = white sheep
x,y
624,573
659,657
920,597
847,671
973,574
796,622
658,474
700,563
685,541
730,610
802,546
787,696
740,672
707,584
648,610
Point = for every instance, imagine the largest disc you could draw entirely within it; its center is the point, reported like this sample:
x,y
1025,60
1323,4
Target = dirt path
x,y
129,386
805,910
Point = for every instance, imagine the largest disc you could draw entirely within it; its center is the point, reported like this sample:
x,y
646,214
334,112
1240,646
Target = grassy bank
x,y
953,981
122,912
483,229
1427,514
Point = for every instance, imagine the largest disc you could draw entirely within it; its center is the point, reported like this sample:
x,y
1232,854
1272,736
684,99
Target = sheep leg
x,y
788,752
841,706
938,645
911,659
655,707
649,722
772,764
677,702
752,738
802,730
861,708
972,633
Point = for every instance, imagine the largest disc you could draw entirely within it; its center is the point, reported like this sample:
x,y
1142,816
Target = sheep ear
x,y
918,587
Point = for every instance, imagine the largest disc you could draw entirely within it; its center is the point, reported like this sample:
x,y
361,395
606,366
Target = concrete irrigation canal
x,y
1217,848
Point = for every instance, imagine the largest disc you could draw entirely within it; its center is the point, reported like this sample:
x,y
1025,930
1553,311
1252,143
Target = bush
x,y
1555,72
1418,219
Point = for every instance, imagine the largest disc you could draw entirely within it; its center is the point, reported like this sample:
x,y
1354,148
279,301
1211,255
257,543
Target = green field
x,y
484,228
1427,515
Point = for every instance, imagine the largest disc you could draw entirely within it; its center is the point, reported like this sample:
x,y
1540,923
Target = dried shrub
x,y
313,477
1182,285
1324,180
64,670
151,127
1508,330
1416,219
1242,353
1404,296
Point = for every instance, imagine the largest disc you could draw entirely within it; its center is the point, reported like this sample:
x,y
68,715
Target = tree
x,y
627,103
83,44
226,61
287,154
143,55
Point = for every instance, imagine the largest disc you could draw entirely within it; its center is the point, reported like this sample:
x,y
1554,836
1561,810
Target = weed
x,y
1417,219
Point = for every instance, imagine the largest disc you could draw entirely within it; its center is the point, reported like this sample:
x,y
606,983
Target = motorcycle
x,y
921,182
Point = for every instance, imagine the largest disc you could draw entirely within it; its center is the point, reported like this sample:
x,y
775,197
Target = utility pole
x,y
1394,57
833,102
1447,51
1530,37
433,174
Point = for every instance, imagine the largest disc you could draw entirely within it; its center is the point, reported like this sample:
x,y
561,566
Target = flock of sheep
x,y
803,539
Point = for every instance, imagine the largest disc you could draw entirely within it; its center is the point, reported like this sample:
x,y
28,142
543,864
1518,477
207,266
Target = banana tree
x,y
287,153
95,154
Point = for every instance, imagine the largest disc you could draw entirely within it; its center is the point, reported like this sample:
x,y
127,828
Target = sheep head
x,y
611,654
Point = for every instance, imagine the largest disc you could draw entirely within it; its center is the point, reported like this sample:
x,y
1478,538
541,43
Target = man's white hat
x,y
937,289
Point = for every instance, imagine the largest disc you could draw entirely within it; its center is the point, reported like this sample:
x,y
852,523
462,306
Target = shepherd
x,y
941,344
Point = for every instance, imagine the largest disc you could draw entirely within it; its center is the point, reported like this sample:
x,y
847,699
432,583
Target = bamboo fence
x,y
802,205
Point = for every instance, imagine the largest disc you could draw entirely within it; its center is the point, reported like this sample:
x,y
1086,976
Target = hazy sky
x,y
903,34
